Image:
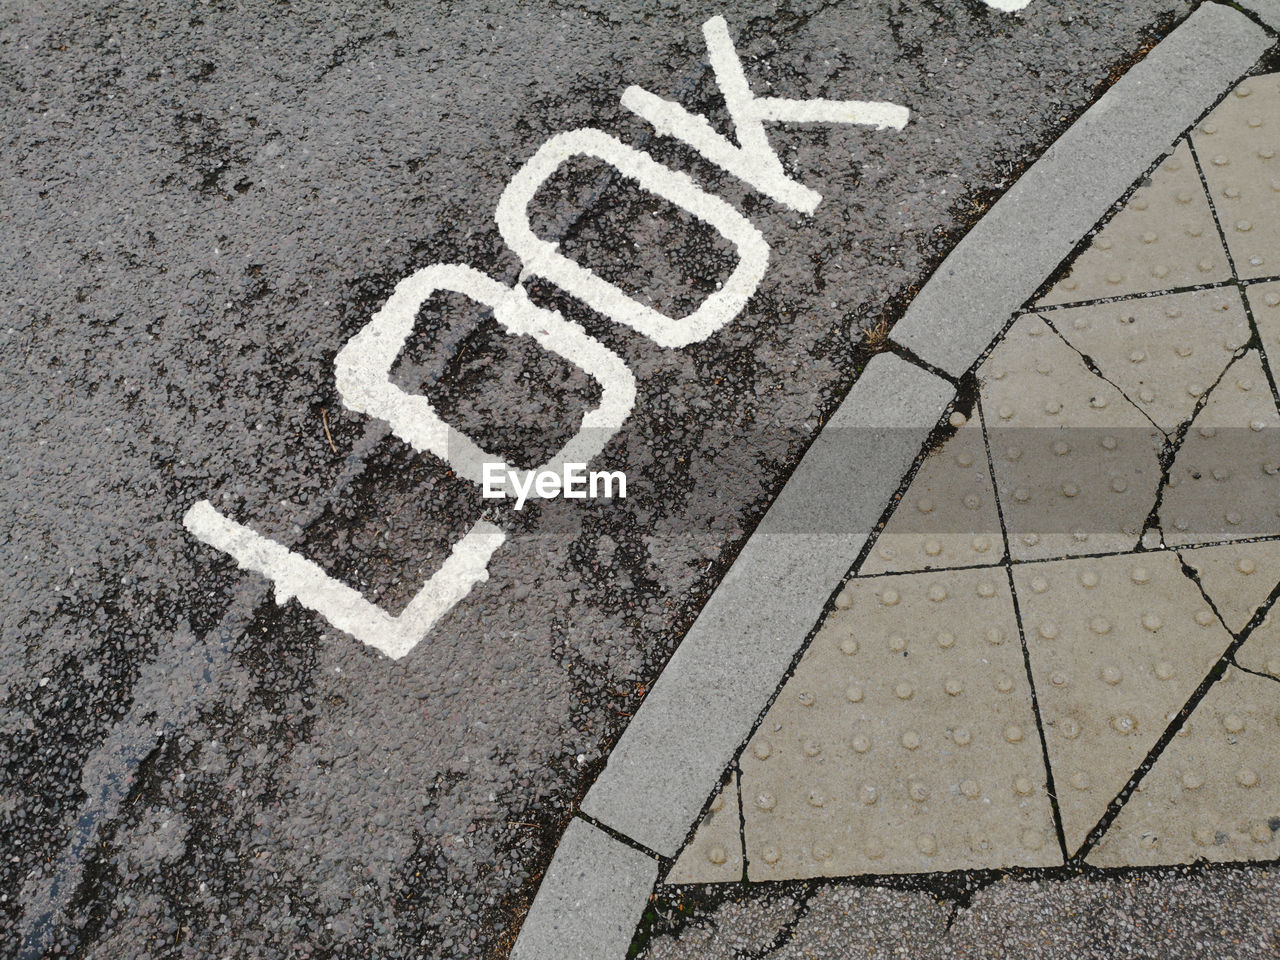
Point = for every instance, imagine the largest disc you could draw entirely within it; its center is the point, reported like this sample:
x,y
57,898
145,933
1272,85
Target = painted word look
x,y
363,366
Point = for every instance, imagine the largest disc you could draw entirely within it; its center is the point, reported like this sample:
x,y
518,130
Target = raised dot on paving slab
x,y
1157,241
1119,696
947,517
1213,794
1221,485
1237,577
937,744
714,855
1242,148
1182,340
1084,478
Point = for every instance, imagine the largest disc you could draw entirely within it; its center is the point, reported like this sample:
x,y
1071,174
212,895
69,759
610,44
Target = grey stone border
x,y
1266,10
1003,260
691,724
688,728
590,900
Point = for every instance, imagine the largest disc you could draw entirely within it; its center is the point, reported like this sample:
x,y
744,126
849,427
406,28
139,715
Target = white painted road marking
x,y
296,576
755,161
543,258
362,367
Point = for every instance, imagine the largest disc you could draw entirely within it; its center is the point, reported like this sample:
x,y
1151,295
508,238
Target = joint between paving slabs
x,y
1189,572
1064,266
1006,561
1267,369
913,358
1256,673
1216,672
616,834
1172,442
1256,621
1043,308
1093,368
736,767
1049,786
1256,17
1168,455
1006,556
942,430
1255,334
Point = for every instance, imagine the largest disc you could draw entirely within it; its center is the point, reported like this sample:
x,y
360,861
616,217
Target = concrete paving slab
x,y
1224,483
1261,652
1163,238
948,516
1264,302
1237,144
1214,794
1076,463
1163,351
730,662
1008,254
1117,646
1238,577
905,742
714,855
1267,10
590,900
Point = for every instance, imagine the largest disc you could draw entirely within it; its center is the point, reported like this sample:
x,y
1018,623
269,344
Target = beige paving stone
x,y
905,741
1237,145
1261,652
947,517
1214,794
1264,301
1224,483
714,855
1076,464
1117,646
1161,351
1164,238
1238,577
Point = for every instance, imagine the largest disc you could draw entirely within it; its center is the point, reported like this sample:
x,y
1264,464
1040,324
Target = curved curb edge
x,y
686,731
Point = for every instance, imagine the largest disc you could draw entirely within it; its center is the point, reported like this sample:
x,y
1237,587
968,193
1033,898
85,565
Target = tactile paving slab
x,y
1076,464
1237,146
1264,301
905,742
1164,238
1237,577
1225,480
947,517
1117,646
1163,352
714,855
1214,793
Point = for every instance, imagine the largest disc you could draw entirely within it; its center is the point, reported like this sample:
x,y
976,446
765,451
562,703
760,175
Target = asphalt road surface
x,y
203,204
